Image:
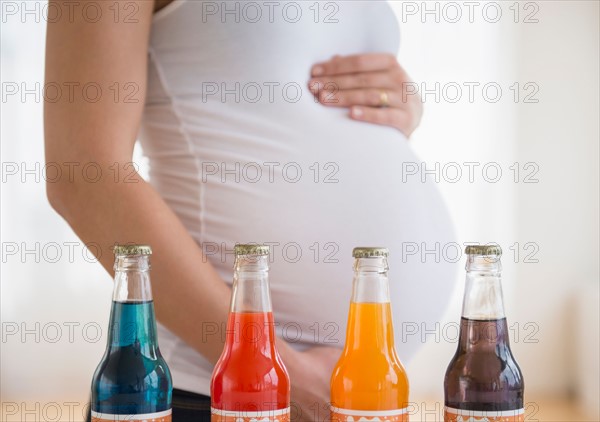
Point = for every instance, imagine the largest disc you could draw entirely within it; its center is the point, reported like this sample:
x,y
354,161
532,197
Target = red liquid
x,y
250,375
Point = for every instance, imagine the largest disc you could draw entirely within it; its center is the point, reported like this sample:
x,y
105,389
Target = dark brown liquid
x,y
483,374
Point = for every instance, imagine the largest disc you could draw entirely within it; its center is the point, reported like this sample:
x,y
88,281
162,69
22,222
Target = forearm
x,y
187,290
189,295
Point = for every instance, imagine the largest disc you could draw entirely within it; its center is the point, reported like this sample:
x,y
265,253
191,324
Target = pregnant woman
x,y
275,122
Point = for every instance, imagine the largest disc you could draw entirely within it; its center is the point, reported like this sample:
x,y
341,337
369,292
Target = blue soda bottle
x,y
132,382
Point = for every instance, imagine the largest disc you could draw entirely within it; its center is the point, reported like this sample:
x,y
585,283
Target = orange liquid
x,y
250,375
369,375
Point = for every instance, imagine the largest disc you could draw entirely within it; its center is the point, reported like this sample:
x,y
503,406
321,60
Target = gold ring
x,y
384,99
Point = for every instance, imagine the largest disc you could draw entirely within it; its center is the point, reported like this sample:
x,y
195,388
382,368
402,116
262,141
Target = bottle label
x,y
277,415
148,417
347,415
457,415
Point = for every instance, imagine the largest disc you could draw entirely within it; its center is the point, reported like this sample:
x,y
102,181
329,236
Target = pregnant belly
x,y
313,184
313,187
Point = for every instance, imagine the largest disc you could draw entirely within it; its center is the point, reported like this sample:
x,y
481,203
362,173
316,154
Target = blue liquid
x,y
132,378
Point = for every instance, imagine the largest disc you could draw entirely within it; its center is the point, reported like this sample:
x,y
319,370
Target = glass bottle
x,y
249,381
483,380
132,381
369,380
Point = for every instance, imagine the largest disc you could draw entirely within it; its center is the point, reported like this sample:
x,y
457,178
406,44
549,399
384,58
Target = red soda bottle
x,y
249,381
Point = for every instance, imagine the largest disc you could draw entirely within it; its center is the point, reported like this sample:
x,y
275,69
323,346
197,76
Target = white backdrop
x,y
53,305
554,220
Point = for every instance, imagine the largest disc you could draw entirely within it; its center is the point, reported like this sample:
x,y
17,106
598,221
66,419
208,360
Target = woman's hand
x,y
373,86
310,374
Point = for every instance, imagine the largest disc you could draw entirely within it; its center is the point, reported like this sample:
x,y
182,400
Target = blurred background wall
x,y
546,217
528,105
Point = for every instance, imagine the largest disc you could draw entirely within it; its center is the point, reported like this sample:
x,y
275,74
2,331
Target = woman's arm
x,y
188,293
187,290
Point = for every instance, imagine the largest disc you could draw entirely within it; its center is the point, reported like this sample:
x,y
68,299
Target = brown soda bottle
x,y
483,381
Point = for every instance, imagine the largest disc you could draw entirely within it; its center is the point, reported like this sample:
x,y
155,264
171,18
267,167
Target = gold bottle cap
x,y
484,250
250,249
132,250
369,252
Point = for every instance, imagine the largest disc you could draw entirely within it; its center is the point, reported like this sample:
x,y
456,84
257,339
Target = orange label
x,y
149,417
457,415
347,415
278,415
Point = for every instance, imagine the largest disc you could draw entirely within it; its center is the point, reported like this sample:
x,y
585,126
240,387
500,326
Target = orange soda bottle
x,y
369,382
250,382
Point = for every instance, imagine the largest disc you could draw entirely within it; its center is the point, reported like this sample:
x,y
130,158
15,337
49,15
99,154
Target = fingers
x,y
365,97
384,79
340,65
394,117
364,83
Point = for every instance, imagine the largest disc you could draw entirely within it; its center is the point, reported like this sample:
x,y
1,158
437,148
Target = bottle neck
x,y
483,290
370,320
132,279
483,325
250,324
251,285
132,319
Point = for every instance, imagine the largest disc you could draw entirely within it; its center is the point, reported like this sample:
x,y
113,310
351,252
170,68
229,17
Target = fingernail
x,y
357,112
313,86
317,70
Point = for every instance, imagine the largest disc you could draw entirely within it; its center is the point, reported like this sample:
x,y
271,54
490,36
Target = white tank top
x,y
241,152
